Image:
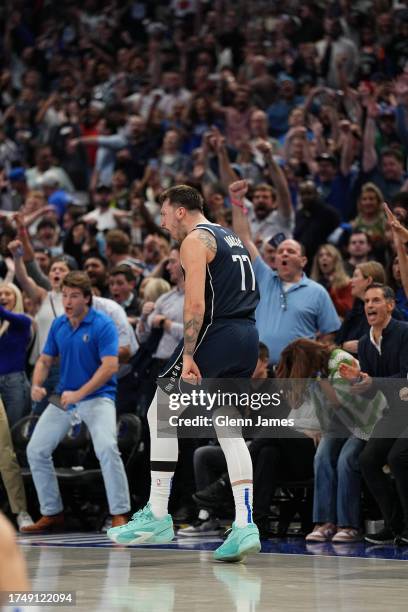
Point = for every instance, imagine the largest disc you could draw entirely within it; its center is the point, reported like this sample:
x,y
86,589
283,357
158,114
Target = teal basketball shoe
x,y
144,528
241,541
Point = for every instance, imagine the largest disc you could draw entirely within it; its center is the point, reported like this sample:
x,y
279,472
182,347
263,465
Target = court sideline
x,y
286,576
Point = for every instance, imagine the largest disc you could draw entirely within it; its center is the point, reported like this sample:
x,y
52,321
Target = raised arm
x,y
19,321
400,236
347,151
26,283
32,268
401,95
21,224
370,157
227,174
277,177
113,141
308,158
240,223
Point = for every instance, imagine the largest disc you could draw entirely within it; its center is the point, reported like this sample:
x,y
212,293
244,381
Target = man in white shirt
x,y
43,161
127,340
125,400
103,216
333,46
174,93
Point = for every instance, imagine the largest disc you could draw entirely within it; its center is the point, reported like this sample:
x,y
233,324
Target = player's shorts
x,y
227,348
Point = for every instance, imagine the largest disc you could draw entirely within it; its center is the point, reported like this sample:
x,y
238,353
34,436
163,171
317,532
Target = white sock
x,y
160,493
163,457
239,464
243,503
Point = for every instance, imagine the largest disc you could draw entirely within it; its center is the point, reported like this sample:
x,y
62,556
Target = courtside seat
x,y
79,484
295,497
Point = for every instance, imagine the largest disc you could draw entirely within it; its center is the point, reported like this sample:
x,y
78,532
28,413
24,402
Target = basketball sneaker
x,y
385,536
241,541
144,528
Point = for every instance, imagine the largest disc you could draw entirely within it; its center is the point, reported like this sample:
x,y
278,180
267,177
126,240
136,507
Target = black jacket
x,y
313,226
389,371
355,324
393,360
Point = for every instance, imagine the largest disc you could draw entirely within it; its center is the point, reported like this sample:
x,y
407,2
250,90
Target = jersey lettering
x,y
233,241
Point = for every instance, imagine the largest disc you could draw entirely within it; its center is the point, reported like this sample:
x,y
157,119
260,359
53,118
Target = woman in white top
x,y
50,307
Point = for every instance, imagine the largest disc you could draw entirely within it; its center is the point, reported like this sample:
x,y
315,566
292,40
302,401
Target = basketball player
x,y
220,341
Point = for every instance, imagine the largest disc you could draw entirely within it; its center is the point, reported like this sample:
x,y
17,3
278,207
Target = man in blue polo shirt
x,y
291,306
86,342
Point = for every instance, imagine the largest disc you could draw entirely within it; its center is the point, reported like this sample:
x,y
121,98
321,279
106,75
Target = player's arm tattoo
x,y
194,315
192,328
207,239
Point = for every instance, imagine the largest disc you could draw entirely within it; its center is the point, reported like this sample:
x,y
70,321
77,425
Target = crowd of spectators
x,y
105,104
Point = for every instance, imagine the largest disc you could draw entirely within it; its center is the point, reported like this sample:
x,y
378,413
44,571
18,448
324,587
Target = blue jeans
x,y
337,489
15,393
99,415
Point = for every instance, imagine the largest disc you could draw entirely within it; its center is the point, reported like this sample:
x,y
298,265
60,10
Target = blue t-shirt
x,y
278,115
281,317
337,193
81,351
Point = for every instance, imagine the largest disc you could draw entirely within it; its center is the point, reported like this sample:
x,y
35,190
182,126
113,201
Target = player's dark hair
x,y
183,195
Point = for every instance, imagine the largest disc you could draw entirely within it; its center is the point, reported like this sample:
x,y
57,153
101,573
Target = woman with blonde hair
x,y
371,217
15,335
328,270
152,288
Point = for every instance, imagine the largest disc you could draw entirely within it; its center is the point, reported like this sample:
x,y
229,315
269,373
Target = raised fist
x,y
238,189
